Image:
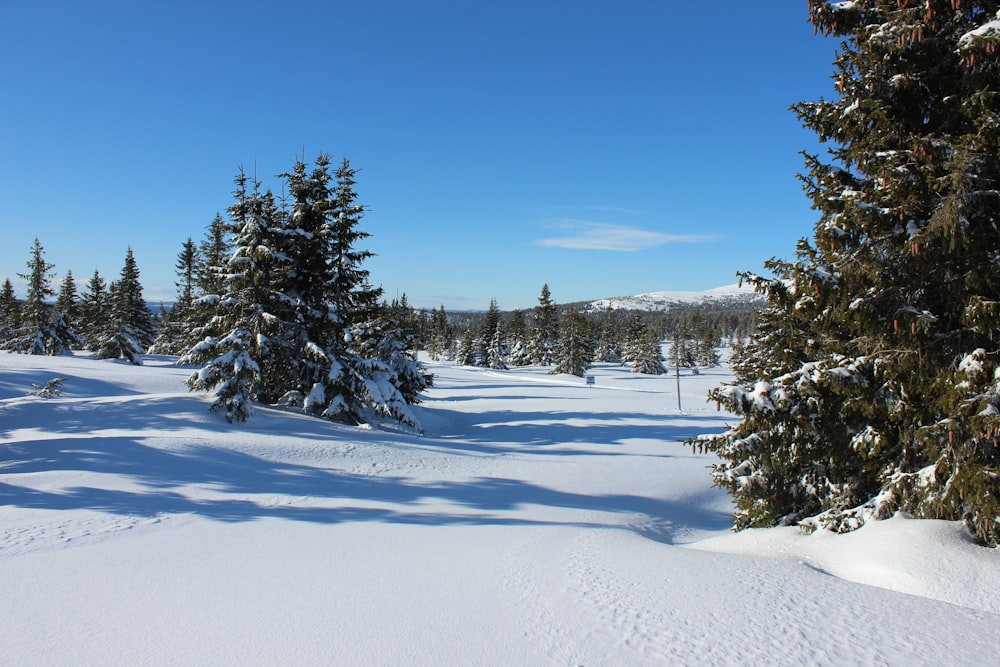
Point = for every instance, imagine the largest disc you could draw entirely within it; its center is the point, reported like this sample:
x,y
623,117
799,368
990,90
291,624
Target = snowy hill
x,y
660,301
539,521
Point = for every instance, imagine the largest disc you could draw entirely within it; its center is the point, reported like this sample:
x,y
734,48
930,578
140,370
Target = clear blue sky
x,y
606,148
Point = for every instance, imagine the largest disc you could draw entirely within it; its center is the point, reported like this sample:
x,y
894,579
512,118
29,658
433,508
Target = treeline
x,y
273,305
570,338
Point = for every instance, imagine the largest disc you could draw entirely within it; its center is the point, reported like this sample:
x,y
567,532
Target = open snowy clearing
x,y
538,522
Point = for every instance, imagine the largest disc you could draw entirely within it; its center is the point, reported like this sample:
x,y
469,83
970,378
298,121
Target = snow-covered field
x,y
538,521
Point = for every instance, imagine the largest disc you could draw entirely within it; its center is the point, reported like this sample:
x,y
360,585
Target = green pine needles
x,y
872,383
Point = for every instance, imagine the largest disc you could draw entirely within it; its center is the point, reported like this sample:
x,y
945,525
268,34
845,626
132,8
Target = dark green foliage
x,y
40,330
10,312
466,355
544,331
574,352
441,344
95,310
176,327
870,386
296,319
130,329
492,339
242,350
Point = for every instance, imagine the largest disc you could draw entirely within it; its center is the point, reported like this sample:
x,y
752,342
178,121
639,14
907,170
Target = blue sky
x,y
605,148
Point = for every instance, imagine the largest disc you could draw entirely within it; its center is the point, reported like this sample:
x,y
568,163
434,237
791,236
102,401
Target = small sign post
x,y
590,381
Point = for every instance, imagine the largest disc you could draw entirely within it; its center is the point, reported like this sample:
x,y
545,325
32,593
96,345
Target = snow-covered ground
x,y
538,521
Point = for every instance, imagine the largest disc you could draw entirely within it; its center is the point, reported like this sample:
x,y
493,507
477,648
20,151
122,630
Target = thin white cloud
x,y
583,235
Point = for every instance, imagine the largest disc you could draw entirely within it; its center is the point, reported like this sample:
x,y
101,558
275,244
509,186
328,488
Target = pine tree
x,y
95,307
574,352
441,345
544,330
39,332
492,344
517,340
130,328
870,386
466,355
244,354
66,314
212,257
176,327
610,348
10,313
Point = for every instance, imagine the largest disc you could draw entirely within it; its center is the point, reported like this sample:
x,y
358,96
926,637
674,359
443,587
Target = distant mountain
x,y
729,295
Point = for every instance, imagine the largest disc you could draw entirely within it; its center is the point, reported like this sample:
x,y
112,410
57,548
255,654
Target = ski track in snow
x,y
538,521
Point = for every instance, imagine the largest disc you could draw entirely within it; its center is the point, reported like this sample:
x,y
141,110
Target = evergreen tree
x,y
95,310
441,343
648,358
244,351
574,352
338,308
545,330
870,385
130,329
176,327
10,313
492,347
39,332
212,258
66,314
683,349
609,340
517,340
466,355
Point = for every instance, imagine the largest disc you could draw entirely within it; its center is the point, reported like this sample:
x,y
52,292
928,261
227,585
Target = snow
x,y
539,521
656,301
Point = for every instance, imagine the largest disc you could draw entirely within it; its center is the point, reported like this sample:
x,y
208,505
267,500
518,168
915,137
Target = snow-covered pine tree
x,y
441,345
212,257
338,311
544,330
10,312
245,354
574,353
683,348
492,341
39,332
95,307
517,340
466,354
176,327
396,378
609,347
648,358
66,314
130,328
871,385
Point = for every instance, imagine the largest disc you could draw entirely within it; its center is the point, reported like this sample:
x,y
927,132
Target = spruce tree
x,y
574,352
517,340
95,307
544,331
176,327
492,344
66,314
466,354
212,258
130,328
441,344
870,386
244,350
10,313
39,332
